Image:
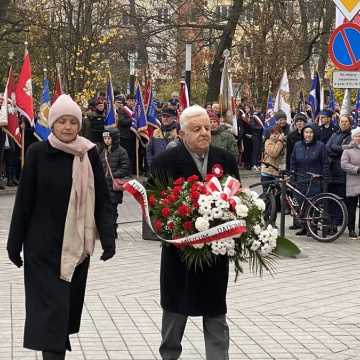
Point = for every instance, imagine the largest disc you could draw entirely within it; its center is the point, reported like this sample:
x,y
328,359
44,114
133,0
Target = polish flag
x,y
183,97
9,111
23,91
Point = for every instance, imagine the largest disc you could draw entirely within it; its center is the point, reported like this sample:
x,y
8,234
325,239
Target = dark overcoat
x,y
53,306
192,292
335,149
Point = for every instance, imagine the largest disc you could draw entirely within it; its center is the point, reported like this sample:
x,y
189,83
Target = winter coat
x,y
118,160
325,133
191,292
159,141
334,149
350,163
292,139
53,306
309,157
224,139
272,155
94,127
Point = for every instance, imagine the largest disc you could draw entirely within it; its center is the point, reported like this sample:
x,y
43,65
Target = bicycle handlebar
x,y
291,172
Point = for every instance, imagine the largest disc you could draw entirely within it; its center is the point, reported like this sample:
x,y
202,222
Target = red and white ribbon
x,y
229,229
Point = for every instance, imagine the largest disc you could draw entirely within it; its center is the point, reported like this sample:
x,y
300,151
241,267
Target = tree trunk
x,y
225,43
328,22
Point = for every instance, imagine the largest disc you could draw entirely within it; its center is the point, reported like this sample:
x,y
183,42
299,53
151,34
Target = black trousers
x,y
47,355
352,204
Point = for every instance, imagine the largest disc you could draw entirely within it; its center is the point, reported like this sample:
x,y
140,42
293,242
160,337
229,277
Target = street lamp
x,y
188,67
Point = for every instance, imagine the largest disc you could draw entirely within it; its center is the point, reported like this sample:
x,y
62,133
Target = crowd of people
x,y
301,145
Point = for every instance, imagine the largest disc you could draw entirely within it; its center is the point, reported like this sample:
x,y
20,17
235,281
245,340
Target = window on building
x,y
222,12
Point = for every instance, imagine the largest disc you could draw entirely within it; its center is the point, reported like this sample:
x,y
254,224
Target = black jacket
x,y
334,149
292,139
53,306
119,163
184,291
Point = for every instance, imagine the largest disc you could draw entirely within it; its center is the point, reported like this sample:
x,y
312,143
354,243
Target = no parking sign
x,y
344,46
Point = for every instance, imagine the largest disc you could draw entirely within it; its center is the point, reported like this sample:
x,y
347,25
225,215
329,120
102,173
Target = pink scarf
x,y
79,231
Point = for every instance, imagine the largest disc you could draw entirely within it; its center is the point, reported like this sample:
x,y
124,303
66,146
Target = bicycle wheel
x,y
326,217
270,208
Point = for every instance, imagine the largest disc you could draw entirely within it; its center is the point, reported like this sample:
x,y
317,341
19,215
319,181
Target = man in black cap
x,y
167,132
327,128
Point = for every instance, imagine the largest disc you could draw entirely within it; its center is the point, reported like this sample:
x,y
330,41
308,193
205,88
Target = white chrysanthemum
x,y
260,204
257,229
205,208
204,200
241,210
198,246
255,245
254,195
208,216
201,224
217,213
231,252
222,204
223,251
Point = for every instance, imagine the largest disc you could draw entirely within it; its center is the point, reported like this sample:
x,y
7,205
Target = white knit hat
x,y
355,131
64,105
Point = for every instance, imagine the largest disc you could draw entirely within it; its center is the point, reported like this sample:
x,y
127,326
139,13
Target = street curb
x,y
8,191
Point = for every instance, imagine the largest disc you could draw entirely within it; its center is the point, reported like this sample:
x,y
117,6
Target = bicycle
x,y
324,215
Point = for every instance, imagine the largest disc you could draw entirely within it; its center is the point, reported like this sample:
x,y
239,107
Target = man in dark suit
x,y
189,292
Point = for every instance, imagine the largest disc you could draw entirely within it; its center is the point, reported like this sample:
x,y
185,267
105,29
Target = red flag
x,y
57,89
23,91
183,97
147,94
12,128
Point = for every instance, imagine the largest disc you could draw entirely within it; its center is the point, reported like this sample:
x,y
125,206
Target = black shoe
x,y
302,232
10,183
2,187
294,227
352,234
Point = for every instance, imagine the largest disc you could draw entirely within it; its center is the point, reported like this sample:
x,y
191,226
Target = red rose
x,y
218,170
183,210
192,178
177,190
194,196
171,226
179,181
223,196
152,200
173,197
158,225
163,194
165,202
187,225
208,177
165,212
232,203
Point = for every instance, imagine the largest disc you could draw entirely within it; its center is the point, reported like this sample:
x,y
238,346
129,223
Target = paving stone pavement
x,y
309,310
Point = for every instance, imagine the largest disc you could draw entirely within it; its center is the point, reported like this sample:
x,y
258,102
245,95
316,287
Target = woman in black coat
x,y
61,199
309,155
114,156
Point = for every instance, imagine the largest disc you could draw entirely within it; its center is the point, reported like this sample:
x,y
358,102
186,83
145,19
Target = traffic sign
x,y
346,79
344,46
348,7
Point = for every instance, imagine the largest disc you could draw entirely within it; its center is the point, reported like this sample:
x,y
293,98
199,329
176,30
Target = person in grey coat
x,y
61,200
350,163
114,156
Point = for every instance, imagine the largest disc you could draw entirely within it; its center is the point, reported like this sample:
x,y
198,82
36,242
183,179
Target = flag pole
x,y
137,156
23,125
